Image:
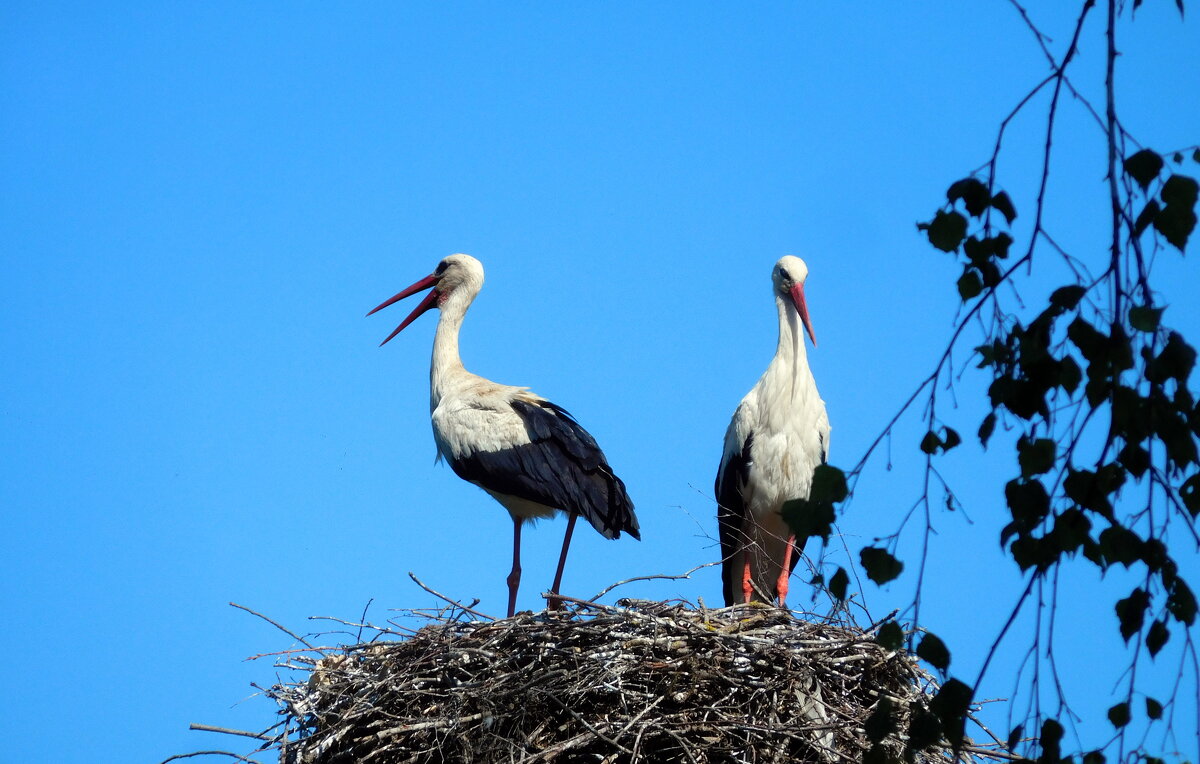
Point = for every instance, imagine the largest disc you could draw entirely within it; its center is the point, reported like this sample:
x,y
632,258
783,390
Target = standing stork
x,y
527,453
778,436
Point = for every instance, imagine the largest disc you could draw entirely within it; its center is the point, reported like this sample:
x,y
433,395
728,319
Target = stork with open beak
x,y
778,436
527,453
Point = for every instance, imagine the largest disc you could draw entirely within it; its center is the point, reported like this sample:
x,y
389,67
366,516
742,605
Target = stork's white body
x,y
471,414
777,437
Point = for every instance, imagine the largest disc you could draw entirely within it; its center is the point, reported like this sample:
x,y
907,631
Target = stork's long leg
x,y
514,578
747,588
562,559
746,542
781,586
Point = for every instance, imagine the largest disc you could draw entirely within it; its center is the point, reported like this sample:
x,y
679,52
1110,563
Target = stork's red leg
x,y
746,586
781,586
562,559
514,578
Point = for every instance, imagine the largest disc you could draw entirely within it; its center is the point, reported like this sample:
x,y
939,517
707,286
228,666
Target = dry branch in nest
x,y
642,682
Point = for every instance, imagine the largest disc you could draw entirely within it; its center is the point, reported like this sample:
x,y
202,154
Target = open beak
x,y
425,304
802,308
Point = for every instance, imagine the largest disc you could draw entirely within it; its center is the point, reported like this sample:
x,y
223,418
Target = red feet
x,y
746,586
781,585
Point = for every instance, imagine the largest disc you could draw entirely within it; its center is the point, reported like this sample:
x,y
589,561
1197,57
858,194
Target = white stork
x,y
527,453
778,436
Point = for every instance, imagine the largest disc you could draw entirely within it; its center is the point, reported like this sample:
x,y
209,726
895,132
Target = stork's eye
x,y
784,275
442,266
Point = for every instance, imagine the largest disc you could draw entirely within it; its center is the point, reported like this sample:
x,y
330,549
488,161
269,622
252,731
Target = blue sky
x,y
198,205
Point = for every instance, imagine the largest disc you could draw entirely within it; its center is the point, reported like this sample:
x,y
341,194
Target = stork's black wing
x,y
731,510
560,467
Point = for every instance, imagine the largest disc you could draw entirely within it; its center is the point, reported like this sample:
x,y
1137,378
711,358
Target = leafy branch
x,y
1094,386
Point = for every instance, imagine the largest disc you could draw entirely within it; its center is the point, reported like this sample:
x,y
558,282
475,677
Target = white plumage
x,y
778,436
526,452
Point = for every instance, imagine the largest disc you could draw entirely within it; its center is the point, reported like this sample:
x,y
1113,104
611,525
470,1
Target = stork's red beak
x,y
802,308
425,304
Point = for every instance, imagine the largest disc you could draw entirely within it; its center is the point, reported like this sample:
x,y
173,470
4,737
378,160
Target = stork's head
x,y
788,276
458,276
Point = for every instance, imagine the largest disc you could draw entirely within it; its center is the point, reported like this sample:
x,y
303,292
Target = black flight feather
x,y
731,509
561,467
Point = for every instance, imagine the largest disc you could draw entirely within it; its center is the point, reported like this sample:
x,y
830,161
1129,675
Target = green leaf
x,y
880,565
1090,490
1144,167
951,705
1119,715
1154,709
1120,545
1014,736
1037,457
933,651
986,429
1069,375
1154,554
947,230
924,730
1175,222
950,439
1020,396
890,636
882,721
1051,741
1135,459
1067,297
969,284
1028,502
1005,206
1028,551
809,519
973,193
1145,318
1189,494
879,754
1176,360
838,584
1071,530
1157,636
1131,611
815,515
1001,241
828,484
1181,603
1090,341
1181,190
930,443
1146,217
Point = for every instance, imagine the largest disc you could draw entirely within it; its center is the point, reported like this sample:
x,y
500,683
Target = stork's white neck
x,y
789,375
446,360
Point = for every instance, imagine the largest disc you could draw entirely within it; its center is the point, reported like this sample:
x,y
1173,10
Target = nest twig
x,y
640,682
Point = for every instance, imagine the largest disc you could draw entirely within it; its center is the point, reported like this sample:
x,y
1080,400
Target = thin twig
x,y
227,731
230,754
284,629
659,577
455,603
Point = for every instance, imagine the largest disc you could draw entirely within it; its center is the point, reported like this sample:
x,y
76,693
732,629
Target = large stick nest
x,y
643,682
